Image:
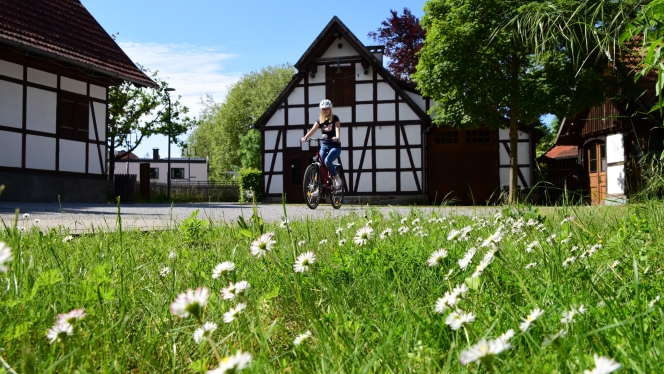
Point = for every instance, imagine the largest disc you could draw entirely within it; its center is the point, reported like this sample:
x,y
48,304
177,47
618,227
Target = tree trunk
x,y
514,130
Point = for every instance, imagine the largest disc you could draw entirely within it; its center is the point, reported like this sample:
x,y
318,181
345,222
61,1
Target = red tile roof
x,y
562,151
65,30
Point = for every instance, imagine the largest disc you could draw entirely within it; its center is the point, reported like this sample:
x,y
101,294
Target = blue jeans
x,y
328,154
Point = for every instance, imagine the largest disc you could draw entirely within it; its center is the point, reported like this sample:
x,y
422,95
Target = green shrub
x,y
250,180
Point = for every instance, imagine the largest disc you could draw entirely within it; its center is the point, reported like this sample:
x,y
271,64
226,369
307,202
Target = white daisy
x,y
403,230
449,300
72,316
165,271
232,313
302,337
172,255
339,230
530,318
484,351
204,331
303,262
234,290
437,257
653,302
59,331
363,235
26,215
5,257
568,261
568,316
603,365
284,223
232,364
493,239
403,220
457,319
37,221
531,265
532,245
552,338
342,242
615,264
567,219
301,243
67,238
350,224
190,303
264,243
324,241
386,233
465,261
415,222
223,269
505,337
461,290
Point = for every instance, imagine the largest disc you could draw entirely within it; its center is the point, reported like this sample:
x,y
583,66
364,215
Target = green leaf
x,y
47,278
473,283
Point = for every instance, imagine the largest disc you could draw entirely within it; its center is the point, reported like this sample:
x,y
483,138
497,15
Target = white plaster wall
x,y
73,85
72,156
523,154
364,113
615,179
408,181
386,182
319,78
406,114
11,104
98,92
364,92
413,134
504,134
296,116
267,157
297,96
365,183
359,73
10,69
314,113
386,112
199,173
42,77
357,156
93,160
335,51
11,148
100,116
504,176
344,136
277,118
359,134
419,100
344,113
293,137
384,91
614,149
41,110
386,159
270,139
317,94
504,157
385,135
277,185
278,162
525,171
40,152
404,161
344,159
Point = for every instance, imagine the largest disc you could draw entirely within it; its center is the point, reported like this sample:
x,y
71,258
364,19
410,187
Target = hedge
x,y
250,178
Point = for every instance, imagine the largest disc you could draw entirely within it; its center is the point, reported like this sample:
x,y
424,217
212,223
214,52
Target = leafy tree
x,y
224,126
550,132
250,149
402,37
144,112
478,71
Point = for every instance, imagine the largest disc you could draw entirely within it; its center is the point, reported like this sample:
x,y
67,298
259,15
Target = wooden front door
x,y
295,164
596,168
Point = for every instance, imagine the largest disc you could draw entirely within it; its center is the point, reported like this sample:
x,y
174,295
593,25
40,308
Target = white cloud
x,y
192,70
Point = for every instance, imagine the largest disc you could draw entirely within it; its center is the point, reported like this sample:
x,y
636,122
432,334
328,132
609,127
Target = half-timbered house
x,y
56,65
391,153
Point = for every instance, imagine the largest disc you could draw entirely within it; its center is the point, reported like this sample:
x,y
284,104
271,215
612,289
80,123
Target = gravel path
x,y
81,218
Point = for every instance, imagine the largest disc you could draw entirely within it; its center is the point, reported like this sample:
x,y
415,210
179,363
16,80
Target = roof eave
x,y
71,61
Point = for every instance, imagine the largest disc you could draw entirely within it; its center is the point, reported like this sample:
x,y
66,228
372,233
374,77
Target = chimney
x,y
155,153
377,51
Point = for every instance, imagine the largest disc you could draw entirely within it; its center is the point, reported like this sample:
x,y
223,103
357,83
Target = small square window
x,y
177,173
478,136
447,137
154,173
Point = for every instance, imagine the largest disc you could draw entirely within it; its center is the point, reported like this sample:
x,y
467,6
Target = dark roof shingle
x,y
65,29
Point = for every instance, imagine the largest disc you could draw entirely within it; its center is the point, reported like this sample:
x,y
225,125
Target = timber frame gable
x,y
383,123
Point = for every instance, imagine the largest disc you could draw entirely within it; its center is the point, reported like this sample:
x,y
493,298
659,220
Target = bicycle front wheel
x,y
337,195
311,186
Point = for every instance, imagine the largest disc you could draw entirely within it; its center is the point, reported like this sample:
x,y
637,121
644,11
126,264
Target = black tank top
x,y
327,128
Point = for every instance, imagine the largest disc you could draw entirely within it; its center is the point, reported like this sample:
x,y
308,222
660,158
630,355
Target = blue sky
x,y
201,47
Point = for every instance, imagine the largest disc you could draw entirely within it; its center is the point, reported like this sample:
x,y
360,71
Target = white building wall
x,y
195,172
344,51
41,110
11,147
11,104
43,78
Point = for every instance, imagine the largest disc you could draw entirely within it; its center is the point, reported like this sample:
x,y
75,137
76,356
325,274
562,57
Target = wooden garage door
x,y
462,165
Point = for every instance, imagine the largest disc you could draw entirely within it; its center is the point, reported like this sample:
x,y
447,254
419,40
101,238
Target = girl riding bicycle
x,y
331,148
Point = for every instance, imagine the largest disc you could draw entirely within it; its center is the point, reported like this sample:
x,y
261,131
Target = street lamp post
x,y
168,176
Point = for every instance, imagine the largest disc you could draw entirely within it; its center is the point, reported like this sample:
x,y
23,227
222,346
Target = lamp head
x,y
169,89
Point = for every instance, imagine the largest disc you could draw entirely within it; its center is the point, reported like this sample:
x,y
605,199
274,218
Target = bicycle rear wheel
x,y
311,186
337,195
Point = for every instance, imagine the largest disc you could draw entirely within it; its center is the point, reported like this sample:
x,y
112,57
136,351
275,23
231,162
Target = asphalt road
x,y
80,218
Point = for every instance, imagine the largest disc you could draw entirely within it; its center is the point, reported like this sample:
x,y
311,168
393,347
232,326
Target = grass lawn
x,y
422,293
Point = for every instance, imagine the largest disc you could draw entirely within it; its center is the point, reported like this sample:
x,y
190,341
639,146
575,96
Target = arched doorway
x,y
595,157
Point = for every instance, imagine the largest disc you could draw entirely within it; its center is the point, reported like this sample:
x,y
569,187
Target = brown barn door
x,y
296,163
596,167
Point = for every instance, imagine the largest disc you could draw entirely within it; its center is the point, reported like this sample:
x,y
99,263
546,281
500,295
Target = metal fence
x,y
197,191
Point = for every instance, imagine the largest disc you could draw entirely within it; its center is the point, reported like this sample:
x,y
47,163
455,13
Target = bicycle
x,y
317,179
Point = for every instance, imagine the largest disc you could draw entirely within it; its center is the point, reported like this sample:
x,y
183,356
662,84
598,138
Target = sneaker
x,y
336,183
314,194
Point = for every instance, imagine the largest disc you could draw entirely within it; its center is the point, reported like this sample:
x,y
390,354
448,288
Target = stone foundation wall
x,y
46,188
372,200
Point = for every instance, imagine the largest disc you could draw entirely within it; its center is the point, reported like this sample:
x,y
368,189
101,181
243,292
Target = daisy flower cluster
x,y
64,325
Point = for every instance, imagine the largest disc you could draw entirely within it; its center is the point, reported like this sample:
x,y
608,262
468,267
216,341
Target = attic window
x,y
73,118
340,85
447,137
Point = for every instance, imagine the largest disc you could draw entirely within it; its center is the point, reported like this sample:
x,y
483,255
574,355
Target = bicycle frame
x,y
325,174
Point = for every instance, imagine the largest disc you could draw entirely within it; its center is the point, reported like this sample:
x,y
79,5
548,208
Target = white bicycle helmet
x,y
325,104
